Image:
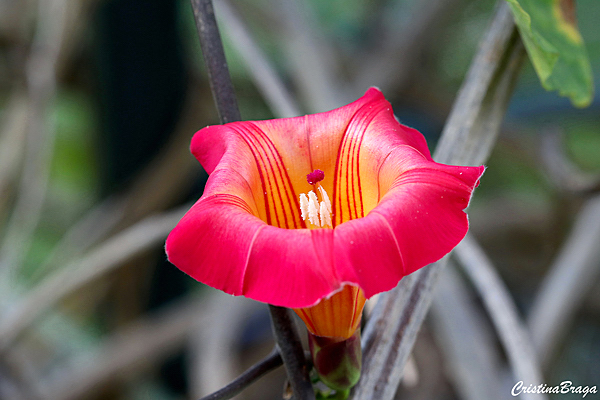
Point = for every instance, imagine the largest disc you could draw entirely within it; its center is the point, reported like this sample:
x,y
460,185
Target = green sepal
x,y
337,362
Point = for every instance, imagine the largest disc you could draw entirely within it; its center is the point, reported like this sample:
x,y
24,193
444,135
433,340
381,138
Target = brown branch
x,y
12,144
212,348
392,65
216,63
267,364
224,96
290,348
309,56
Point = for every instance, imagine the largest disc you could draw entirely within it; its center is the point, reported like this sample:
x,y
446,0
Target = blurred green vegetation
x,y
583,141
74,174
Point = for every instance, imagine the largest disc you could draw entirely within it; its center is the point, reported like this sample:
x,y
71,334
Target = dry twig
x,y
468,138
467,343
503,313
571,277
270,362
12,143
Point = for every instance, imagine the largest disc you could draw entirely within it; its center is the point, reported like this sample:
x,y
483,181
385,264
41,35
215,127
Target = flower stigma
x,y
316,176
316,213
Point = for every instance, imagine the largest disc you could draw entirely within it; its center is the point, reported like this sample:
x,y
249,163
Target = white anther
x,y
313,208
317,213
325,214
304,205
325,198
313,197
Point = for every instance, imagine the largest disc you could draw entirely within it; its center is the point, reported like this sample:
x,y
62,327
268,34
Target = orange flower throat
x,y
337,316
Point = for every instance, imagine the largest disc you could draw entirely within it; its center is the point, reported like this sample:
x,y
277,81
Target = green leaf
x,y
555,47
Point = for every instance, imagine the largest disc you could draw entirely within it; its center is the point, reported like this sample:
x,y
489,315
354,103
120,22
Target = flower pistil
x,y
316,213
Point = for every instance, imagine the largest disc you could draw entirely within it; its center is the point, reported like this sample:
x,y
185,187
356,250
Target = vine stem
x,y
269,363
291,352
221,86
216,63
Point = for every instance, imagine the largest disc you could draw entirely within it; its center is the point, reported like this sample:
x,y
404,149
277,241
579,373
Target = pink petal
x,y
418,221
219,243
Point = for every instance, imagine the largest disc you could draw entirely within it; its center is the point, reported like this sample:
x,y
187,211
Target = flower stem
x,y
272,361
291,352
221,86
216,63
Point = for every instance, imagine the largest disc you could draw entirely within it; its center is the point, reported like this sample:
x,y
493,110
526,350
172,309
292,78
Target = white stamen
x,y
304,205
317,213
313,197
325,198
313,208
325,214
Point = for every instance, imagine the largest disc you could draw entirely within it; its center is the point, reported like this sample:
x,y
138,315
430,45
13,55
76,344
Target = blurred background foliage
x,y
122,96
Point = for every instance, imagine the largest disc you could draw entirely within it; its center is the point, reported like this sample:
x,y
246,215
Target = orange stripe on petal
x,y
348,192
234,201
338,316
281,209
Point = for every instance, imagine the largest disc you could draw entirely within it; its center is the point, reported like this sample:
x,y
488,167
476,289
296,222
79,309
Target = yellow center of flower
x,y
337,316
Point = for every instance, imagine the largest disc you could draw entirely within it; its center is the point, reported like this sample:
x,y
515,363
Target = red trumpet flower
x,y
319,212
